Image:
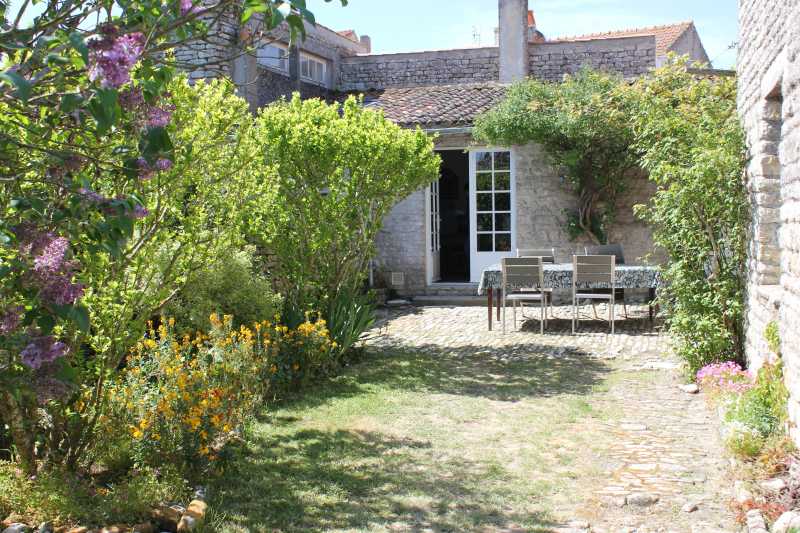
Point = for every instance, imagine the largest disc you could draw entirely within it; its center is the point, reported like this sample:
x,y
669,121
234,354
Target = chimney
x,y
366,40
513,40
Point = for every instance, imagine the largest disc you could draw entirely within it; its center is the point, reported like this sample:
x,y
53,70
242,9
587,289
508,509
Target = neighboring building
x,y
769,104
488,202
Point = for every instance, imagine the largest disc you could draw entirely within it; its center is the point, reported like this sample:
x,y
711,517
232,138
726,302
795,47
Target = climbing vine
x,y
583,125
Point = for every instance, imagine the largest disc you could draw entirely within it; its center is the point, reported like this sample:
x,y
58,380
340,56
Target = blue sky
x,y
430,24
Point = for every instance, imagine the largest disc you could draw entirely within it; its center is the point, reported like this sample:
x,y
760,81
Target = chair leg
x,y
574,314
514,313
503,304
613,305
542,306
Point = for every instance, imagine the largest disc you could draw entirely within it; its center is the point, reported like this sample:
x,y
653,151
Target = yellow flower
x,y
171,321
273,369
295,367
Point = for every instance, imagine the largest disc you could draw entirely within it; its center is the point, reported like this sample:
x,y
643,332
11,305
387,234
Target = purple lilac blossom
x,y
92,196
140,212
164,164
111,58
131,98
146,172
42,350
158,117
10,319
189,8
51,257
51,273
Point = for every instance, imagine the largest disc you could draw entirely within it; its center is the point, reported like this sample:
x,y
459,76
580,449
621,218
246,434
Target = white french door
x,y
492,209
436,232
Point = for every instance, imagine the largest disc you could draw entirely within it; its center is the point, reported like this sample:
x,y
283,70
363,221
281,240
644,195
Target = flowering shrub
x,y
754,406
182,398
88,138
722,378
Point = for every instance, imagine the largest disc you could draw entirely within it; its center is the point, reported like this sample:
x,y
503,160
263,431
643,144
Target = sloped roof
x,y
436,106
665,35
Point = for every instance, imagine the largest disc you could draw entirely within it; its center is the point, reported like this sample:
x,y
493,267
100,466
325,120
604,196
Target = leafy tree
x,y
583,125
690,141
339,169
84,133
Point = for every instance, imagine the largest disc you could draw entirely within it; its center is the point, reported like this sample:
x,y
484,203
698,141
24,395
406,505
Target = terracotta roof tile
x,y
665,35
436,106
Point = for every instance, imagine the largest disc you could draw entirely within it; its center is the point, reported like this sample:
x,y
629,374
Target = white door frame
x,y
480,260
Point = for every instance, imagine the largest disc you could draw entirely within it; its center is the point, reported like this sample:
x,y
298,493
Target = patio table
x,y
559,276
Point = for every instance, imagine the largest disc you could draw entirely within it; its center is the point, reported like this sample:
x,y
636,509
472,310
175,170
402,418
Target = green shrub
x,y
773,337
232,285
348,317
692,145
759,413
63,498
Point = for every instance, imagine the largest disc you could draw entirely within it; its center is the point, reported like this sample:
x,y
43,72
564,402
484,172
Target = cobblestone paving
x,y
658,463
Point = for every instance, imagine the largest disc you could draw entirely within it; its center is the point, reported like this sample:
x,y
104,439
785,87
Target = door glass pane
x,y
502,160
484,242
502,222
485,222
484,202
502,242
502,181
483,160
483,181
502,201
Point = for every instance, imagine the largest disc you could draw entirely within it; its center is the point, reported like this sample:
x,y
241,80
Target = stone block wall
x,y
211,57
402,244
769,105
439,67
542,199
627,56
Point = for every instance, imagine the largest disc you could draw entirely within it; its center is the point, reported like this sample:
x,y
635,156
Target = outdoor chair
x,y
616,251
522,281
548,256
591,269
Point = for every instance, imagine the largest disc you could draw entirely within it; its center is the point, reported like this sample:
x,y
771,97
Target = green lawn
x,y
409,440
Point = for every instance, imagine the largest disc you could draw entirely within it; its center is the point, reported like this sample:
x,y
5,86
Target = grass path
x,y
435,439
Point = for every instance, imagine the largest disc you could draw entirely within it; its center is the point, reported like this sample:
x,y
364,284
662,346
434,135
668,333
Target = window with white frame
x,y
313,69
274,56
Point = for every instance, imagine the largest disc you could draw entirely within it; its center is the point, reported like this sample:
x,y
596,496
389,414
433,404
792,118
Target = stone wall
x,y
273,86
440,67
211,57
628,56
402,244
542,199
769,102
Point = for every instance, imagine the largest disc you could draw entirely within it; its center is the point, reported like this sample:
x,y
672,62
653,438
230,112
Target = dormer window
x,y
313,69
274,56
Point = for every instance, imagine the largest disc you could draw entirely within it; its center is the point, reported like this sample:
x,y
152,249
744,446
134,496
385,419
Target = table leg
x,y
652,297
499,303
489,295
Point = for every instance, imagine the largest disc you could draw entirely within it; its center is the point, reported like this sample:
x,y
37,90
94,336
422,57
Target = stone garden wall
x,y
769,104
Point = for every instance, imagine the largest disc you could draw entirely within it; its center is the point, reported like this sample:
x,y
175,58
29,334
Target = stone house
x,y
769,105
489,200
